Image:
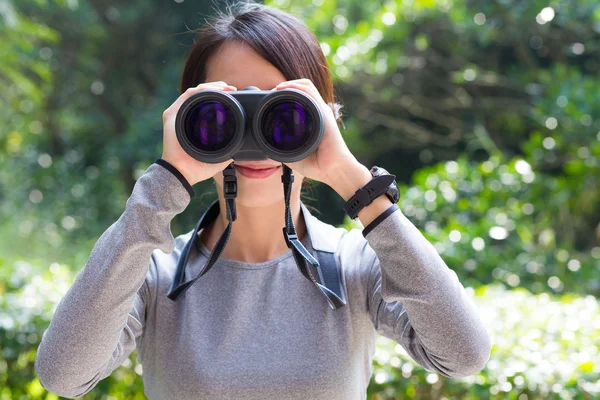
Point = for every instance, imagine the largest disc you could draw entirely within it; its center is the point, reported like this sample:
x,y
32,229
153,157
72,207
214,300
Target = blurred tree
x,y
75,146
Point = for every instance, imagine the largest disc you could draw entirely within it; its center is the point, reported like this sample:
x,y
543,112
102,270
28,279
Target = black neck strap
x,y
301,255
179,285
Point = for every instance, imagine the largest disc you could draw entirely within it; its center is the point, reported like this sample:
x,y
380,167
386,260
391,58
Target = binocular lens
x,y
287,125
210,125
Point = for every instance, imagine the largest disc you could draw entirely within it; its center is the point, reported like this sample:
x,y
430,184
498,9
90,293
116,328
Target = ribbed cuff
x,y
379,218
178,175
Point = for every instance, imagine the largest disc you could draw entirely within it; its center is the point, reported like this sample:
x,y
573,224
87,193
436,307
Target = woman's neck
x,y
256,234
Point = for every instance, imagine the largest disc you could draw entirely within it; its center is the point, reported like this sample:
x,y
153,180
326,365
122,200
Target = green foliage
x,y
523,221
543,347
84,85
487,112
29,295
501,220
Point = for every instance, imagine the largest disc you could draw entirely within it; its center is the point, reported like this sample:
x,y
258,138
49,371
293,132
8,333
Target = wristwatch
x,y
382,183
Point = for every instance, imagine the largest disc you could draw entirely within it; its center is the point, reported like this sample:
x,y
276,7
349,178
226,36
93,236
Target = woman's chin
x,y
258,192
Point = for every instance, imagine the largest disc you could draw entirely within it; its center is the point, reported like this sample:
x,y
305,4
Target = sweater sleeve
x,y
417,301
97,323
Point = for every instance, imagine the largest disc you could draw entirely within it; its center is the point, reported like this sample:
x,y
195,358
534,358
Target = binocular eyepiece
x,y
285,125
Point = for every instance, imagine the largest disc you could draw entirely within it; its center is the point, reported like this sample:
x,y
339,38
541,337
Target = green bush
x,y
528,220
500,221
28,297
543,348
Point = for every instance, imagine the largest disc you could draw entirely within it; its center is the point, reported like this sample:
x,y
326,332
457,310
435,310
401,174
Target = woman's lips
x,y
256,173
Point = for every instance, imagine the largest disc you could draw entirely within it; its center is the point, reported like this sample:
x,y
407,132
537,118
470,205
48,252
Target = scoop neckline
x,y
245,265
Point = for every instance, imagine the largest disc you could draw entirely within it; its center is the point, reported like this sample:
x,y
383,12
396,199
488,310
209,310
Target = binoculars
x,y
285,125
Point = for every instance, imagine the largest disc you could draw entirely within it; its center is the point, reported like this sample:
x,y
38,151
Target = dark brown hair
x,y
280,38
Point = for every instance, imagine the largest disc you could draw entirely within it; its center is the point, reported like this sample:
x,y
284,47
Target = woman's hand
x,y
193,170
332,156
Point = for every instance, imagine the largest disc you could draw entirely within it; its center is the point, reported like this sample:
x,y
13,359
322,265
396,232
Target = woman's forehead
x,y
237,64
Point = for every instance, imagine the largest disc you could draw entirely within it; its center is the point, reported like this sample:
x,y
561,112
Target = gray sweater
x,y
253,330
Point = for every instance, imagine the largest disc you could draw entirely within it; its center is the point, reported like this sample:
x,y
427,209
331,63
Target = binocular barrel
x,y
250,124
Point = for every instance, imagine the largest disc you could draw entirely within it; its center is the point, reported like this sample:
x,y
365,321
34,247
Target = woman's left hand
x,y
333,154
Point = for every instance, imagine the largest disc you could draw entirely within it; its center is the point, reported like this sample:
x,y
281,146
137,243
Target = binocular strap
x,y
331,279
332,275
179,286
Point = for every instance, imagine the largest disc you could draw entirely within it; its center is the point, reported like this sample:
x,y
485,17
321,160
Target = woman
x,y
253,327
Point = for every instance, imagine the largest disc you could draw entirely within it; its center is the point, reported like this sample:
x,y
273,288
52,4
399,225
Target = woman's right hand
x,y
193,170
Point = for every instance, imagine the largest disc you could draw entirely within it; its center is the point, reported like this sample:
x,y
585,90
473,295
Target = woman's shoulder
x,y
351,248
328,237
355,258
162,266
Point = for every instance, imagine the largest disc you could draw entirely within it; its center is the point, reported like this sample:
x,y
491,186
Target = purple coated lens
x,y
287,125
210,125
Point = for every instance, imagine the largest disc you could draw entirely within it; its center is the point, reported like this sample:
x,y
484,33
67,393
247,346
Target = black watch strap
x,y
364,196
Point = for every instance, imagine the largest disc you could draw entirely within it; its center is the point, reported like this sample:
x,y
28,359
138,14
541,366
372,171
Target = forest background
x,y
488,113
